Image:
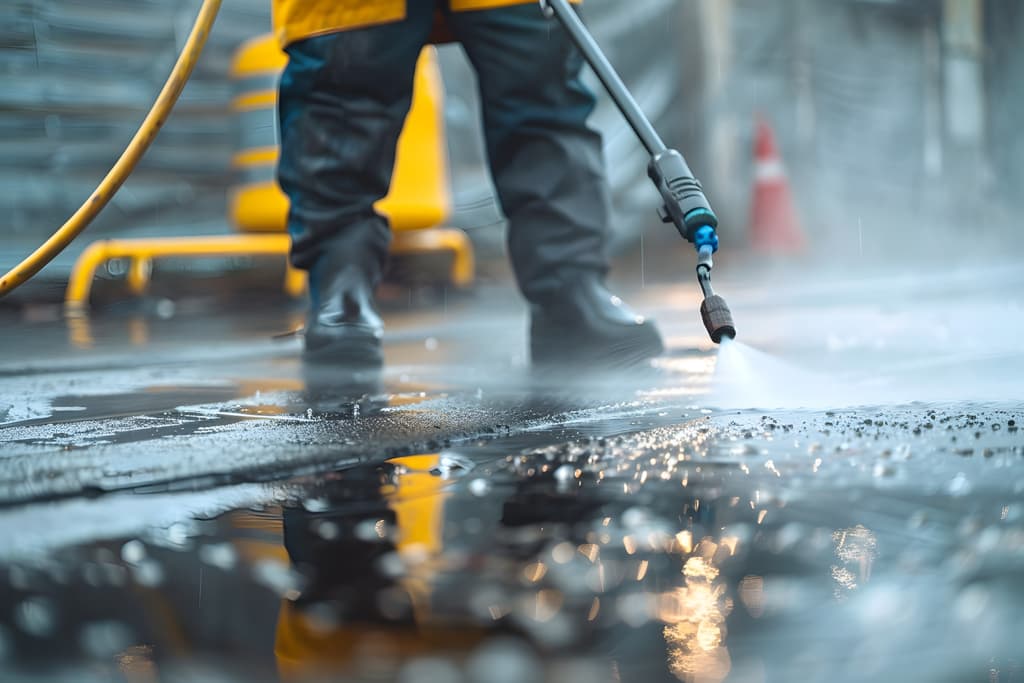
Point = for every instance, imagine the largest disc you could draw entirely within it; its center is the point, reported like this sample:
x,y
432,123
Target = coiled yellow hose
x,y
151,125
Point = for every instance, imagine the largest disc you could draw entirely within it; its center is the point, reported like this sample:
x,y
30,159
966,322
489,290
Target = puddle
x,y
734,546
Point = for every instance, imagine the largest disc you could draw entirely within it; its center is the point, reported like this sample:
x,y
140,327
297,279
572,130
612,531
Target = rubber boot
x,y
344,328
583,324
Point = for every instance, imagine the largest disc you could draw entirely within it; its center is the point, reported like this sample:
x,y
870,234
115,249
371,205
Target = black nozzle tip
x,y
717,319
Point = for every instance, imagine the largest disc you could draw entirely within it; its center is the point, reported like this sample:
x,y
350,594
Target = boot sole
x,y
357,348
340,355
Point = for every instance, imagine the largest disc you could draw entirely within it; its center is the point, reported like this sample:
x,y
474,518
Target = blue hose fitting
x,y
705,236
700,228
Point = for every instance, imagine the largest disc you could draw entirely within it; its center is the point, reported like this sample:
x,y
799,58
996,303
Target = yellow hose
x,y
129,158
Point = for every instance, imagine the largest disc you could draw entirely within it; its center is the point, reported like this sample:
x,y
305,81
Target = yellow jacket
x,y
298,19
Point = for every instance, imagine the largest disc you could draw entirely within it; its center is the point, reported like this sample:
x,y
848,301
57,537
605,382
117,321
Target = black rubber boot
x,y
344,329
583,324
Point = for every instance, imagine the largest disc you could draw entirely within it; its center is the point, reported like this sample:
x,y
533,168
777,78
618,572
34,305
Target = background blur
x,y
897,119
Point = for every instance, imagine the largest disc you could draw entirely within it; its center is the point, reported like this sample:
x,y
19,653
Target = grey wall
x,y
78,77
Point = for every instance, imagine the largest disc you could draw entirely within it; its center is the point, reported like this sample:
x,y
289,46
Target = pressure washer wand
x,y
685,205
713,310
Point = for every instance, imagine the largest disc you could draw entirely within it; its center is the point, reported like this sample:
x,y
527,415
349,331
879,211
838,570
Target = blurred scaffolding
x,y
896,117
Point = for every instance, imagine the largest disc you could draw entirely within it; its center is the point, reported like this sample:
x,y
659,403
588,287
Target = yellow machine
x,y
417,205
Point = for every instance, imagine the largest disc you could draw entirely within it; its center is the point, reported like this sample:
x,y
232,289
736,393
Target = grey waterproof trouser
x,y
343,101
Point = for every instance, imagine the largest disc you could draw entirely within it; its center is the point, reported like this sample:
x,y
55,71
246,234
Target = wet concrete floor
x,y
841,498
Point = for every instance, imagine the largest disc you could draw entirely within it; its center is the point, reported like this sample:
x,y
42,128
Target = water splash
x,y
748,378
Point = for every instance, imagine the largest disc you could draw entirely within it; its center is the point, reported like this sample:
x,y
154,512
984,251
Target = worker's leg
x,y
546,162
343,101
549,171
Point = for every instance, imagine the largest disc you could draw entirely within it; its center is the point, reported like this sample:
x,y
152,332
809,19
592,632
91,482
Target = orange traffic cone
x,y
774,226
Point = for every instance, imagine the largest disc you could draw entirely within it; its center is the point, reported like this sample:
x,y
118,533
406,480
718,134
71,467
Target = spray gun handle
x,y
685,204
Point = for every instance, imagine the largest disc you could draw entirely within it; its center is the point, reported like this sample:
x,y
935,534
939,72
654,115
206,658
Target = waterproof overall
x,y
343,99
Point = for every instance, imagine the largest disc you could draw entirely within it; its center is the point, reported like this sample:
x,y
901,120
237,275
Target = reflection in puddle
x,y
856,549
710,550
695,614
397,565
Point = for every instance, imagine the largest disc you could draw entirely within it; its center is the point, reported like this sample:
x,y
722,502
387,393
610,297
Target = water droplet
x,y
452,465
563,552
636,609
278,577
391,565
959,486
165,309
316,505
480,487
883,470
327,530
104,639
36,616
372,530
504,660
177,534
635,517
971,603
148,573
565,474
220,555
133,552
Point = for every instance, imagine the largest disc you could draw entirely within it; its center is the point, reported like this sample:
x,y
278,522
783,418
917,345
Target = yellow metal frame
x,y
142,252
419,200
